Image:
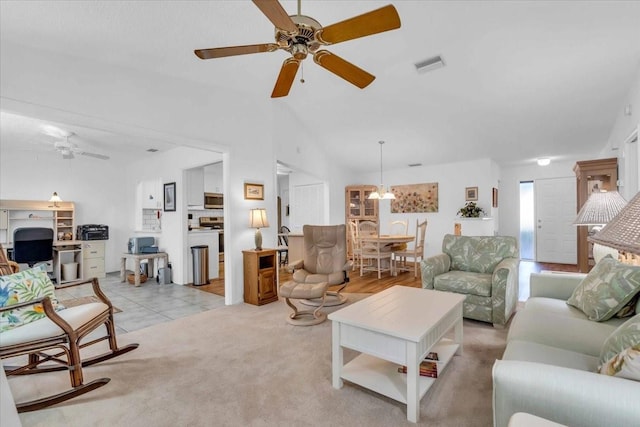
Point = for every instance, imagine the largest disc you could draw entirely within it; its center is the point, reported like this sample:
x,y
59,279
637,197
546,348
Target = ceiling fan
x,y
301,35
68,149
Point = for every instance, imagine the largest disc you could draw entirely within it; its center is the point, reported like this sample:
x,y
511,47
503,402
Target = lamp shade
x,y
55,197
600,208
623,231
258,218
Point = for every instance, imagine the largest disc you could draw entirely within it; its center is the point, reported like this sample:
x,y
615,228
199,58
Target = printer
x,y
142,245
92,232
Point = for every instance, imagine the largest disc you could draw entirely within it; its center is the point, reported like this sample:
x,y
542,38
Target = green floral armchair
x,y
485,268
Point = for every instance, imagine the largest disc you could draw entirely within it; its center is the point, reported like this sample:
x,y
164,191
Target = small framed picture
x,y
253,191
170,197
494,198
471,194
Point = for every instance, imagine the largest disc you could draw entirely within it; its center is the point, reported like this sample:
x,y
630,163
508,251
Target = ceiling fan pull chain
x,y
301,72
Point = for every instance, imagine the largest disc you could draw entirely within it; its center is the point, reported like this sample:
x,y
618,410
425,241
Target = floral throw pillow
x,y
21,287
620,355
608,287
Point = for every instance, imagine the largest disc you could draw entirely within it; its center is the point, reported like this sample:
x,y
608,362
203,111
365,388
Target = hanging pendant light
x,y
381,194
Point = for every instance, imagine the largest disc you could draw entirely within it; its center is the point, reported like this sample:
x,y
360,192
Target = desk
x,y
136,260
382,243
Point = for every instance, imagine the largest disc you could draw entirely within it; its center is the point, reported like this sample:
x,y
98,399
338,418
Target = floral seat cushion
x,y
464,282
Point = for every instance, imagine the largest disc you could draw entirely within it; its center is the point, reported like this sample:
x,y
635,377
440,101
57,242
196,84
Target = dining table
x,y
386,242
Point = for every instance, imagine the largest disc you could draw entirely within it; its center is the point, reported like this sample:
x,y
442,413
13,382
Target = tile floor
x,y
148,304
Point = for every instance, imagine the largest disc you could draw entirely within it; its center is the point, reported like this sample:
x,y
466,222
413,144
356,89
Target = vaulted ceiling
x,y
522,79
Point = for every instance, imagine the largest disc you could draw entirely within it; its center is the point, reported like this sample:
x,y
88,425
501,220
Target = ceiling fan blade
x,y
376,21
97,156
273,10
220,52
285,78
341,68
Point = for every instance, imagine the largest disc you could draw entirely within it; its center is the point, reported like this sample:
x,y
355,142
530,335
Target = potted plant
x,y
471,210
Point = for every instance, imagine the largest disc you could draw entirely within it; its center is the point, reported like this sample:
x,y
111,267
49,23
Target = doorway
x,y
555,211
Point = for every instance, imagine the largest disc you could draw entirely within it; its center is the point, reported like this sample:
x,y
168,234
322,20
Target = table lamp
x,y
600,208
55,199
623,232
258,220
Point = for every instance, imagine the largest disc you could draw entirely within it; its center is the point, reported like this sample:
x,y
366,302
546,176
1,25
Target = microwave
x,y
213,201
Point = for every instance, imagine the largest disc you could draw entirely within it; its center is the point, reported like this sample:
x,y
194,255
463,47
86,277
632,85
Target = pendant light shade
x,y
381,194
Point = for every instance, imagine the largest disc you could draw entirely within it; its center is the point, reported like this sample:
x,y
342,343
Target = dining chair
x,y
399,228
417,252
354,244
283,245
373,251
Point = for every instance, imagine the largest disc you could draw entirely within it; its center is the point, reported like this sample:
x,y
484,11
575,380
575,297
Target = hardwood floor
x,y
369,283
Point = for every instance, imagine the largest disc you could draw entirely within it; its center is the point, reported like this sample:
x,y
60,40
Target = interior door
x,y
555,206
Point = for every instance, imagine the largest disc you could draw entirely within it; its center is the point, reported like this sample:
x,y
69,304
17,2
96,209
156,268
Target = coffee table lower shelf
x,y
383,377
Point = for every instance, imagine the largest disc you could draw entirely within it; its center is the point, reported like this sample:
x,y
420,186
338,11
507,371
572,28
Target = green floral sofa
x,y
485,268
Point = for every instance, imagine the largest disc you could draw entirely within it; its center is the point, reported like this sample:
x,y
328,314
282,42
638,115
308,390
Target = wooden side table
x,y
136,260
260,276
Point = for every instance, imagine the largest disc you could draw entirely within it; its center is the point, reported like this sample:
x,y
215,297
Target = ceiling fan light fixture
x,y
430,64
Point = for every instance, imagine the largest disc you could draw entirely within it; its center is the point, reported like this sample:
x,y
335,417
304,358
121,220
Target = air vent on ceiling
x,y
413,165
430,64
152,150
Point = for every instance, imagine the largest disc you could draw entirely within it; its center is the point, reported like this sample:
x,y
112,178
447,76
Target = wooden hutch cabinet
x,y
260,285
601,174
358,207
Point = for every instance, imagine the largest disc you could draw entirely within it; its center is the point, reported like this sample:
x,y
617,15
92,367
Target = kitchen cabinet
x,y
260,284
150,194
213,178
600,174
195,187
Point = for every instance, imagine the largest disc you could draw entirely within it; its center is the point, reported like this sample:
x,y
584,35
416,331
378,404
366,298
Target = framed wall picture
x,y
471,194
494,198
253,191
170,197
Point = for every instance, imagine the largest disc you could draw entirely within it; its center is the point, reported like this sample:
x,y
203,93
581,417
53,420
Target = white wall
x,y
170,166
628,157
97,188
452,178
170,109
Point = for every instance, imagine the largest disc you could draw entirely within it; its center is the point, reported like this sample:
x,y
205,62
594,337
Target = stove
x,y
217,223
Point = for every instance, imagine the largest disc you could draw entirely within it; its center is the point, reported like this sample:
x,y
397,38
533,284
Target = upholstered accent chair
x,y
485,268
324,264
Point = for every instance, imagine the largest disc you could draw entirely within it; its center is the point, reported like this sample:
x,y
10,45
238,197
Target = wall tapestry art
x,y
415,198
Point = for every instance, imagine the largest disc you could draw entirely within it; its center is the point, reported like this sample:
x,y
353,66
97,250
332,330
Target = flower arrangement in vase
x,y
471,210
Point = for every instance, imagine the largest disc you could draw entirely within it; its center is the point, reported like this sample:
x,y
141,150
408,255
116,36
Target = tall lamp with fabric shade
x,y
258,220
600,208
623,232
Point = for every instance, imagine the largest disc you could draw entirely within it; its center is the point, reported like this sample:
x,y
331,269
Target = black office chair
x,y
32,245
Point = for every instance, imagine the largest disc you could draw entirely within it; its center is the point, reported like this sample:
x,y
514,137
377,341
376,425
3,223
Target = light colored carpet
x,y
244,365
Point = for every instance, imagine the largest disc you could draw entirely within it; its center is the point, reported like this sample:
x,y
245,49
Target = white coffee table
x,y
398,326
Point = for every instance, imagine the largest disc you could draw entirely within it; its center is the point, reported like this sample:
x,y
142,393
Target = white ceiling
x,y
524,79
